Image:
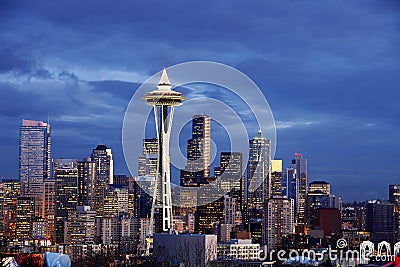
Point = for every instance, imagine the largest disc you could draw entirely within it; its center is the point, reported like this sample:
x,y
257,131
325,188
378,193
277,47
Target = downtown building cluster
x,y
80,207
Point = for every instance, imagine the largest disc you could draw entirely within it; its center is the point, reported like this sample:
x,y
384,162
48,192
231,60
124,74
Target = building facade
x,y
278,221
34,159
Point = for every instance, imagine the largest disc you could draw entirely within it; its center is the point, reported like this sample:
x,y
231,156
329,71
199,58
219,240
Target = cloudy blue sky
x,y
329,69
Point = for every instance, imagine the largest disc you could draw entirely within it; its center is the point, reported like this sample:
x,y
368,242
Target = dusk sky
x,y
330,71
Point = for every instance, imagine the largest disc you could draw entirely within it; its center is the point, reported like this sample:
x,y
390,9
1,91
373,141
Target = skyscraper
x,y
394,198
321,186
163,100
258,167
208,215
49,206
147,161
278,221
394,194
301,172
289,183
276,177
81,226
104,174
34,159
229,176
380,221
66,176
24,217
197,169
319,197
103,158
87,183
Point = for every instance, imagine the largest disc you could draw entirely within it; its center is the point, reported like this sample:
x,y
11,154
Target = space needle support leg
x,y
155,189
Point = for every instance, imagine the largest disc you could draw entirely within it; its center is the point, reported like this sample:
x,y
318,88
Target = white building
x,y
241,249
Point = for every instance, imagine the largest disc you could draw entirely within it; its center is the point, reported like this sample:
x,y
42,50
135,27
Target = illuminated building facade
x,y
197,169
278,221
66,176
34,159
258,182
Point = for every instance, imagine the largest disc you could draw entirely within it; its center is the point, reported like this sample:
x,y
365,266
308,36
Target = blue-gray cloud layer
x,y
329,70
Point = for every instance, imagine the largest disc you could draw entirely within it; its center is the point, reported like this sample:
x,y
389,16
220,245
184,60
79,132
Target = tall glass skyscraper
x,y
197,169
104,174
103,158
258,166
34,159
301,169
65,172
147,161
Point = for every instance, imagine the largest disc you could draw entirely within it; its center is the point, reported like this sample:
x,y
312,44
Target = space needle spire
x,y
163,100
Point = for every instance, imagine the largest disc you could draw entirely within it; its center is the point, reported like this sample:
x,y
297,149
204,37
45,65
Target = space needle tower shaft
x,y
163,100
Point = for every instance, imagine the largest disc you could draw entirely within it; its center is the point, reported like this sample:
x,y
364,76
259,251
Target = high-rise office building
x,y
278,221
230,207
319,197
258,179
115,200
394,194
12,189
197,169
34,159
49,206
81,226
87,183
142,185
66,176
394,198
147,161
320,186
289,183
380,221
24,217
301,171
258,171
276,177
103,158
208,215
2,217
104,174
121,179
119,230
229,176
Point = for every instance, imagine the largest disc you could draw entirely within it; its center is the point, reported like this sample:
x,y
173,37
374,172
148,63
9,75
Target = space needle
x,y
163,100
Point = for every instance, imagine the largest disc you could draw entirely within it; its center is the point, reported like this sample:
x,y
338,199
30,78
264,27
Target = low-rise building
x,y
241,249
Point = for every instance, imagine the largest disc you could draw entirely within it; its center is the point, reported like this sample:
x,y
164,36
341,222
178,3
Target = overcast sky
x,y
329,70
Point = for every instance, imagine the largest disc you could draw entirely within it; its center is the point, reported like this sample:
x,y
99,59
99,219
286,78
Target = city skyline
x,y
331,85
149,144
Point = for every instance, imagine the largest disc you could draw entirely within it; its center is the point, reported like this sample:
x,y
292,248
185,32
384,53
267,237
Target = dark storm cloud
x,y
16,61
328,69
